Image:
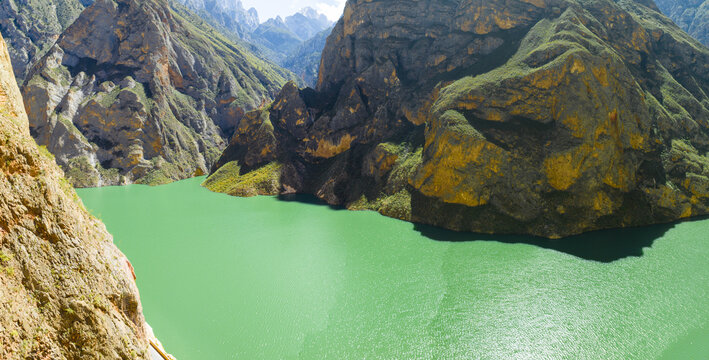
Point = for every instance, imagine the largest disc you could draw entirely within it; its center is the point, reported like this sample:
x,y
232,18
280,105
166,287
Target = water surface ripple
x,y
262,278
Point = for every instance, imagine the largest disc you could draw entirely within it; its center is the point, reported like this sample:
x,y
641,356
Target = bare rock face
x,y
32,26
142,91
690,15
542,117
66,292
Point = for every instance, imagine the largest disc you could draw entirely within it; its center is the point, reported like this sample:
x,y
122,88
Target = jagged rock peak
x,y
228,13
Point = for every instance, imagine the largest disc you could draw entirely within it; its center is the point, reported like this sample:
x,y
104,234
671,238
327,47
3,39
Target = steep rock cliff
x,y
142,91
31,27
66,292
543,117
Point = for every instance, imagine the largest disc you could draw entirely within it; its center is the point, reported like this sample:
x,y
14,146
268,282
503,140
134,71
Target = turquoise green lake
x,y
265,278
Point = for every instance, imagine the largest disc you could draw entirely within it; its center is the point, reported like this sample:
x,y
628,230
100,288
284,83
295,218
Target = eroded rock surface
x,y
31,27
142,91
542,117
66,292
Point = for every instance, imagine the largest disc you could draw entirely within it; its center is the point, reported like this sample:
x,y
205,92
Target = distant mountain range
x,y
230,14
287,42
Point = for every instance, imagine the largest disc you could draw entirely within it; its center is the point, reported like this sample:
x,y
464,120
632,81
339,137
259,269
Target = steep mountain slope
x,y
66,292
307,23
275,35
134,91
32,26
294,43
543,117
691,15
230,14
284,37
305,60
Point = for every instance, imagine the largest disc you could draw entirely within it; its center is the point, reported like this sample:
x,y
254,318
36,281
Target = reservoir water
x,y
268,278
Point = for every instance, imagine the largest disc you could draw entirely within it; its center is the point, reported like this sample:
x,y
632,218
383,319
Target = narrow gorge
x,y
528,179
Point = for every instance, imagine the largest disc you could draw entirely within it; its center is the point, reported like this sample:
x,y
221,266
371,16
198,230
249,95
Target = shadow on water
x,y
604,246
308,200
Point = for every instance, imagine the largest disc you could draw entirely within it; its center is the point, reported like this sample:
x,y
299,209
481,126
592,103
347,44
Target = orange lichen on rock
x,y
327,149
563,170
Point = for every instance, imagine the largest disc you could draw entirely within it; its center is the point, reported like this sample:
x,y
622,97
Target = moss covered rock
x,y
542,117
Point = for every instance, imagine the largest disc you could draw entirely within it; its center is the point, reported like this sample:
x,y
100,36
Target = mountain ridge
x,y
31,27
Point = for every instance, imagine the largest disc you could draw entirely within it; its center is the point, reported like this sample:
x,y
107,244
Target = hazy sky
x,y
271,8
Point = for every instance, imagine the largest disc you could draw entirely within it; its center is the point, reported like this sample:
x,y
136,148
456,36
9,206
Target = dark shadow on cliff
x,y
604,246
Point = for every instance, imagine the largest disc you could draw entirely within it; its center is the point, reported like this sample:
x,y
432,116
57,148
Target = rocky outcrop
x,y
142,91
66,292
542,117
691,15
31,27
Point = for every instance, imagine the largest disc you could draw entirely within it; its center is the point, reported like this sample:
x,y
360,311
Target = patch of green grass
x,y
397,206
107,99
46,153
4,259
80,173
229,180
162,173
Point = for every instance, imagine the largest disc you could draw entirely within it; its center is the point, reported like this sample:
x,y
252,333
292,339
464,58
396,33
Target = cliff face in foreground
x,y
543,117
691,15
142,91
66,292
